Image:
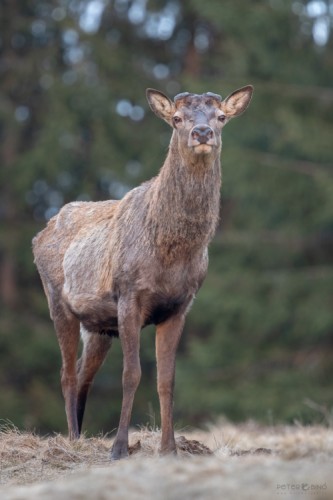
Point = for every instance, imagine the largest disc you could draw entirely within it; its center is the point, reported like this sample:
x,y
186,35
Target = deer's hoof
x,y
168,450
74,435
119,451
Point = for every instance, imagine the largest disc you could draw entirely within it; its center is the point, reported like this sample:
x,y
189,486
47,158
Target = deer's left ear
x,y
162,106
237,102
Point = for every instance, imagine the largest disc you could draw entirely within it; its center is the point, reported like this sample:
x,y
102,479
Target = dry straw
x,y
226,461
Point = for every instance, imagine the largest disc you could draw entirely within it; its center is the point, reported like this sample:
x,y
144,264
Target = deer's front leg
x,y
129,334
167,339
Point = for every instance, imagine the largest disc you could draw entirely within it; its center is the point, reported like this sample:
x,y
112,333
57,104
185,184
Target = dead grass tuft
x,y
227,461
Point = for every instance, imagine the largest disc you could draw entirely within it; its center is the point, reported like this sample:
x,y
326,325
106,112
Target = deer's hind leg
x,y
67,327
95,349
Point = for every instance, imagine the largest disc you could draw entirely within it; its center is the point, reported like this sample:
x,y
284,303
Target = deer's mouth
x,y
203,149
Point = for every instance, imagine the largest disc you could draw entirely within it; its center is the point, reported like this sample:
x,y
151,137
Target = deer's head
x,y
198,119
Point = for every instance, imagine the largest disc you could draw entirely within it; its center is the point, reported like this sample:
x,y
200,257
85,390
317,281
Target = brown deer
x,y
110,268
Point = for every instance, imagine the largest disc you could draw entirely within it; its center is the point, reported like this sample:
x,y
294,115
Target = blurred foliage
x,y
74,124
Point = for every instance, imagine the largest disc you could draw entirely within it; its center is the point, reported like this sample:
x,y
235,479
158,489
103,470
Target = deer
x,y
110,268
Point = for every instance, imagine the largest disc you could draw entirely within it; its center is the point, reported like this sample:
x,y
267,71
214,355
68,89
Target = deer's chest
x,y
161,290
157,308
170,290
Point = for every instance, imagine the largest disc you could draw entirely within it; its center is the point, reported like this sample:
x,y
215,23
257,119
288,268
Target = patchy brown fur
x,y
116,266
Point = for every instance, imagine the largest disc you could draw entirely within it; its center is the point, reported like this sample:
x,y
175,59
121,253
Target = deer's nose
x,y
202,133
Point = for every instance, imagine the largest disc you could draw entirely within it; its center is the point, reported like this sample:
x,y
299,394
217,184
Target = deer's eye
x,y
177,120
221,118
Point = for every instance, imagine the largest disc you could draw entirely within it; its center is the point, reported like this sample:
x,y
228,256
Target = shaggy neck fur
x,y
184,205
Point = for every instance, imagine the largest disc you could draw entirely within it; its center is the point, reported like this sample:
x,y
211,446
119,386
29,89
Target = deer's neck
x,y
184,204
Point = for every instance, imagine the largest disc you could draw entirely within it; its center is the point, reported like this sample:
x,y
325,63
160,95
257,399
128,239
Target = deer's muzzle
x,y
202,135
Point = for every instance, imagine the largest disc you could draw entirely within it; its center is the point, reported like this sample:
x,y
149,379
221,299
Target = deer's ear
x,y
237,102
162,106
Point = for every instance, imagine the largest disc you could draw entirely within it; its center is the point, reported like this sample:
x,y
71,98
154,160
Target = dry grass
x,y
227,462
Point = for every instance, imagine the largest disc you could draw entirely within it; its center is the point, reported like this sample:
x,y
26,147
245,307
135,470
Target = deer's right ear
x,y
162,106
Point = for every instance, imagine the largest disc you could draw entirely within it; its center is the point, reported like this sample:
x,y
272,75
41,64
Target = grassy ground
x,y
225,462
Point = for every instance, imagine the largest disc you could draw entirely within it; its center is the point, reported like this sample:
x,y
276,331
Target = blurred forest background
x,y
74,125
